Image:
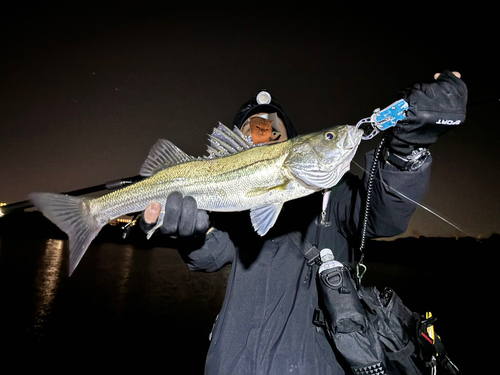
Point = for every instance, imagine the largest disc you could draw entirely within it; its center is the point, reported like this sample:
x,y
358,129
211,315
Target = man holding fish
x,y
255,202
266,325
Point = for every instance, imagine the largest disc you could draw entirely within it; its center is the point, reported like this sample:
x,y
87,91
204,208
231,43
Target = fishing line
x,y
420,205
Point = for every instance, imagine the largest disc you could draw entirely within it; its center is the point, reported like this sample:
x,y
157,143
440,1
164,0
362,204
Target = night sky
x,y
86,90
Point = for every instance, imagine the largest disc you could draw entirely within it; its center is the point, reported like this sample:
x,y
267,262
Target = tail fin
x,y
72,216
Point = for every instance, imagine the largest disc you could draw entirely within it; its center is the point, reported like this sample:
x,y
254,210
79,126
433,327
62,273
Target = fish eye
x,y
329,136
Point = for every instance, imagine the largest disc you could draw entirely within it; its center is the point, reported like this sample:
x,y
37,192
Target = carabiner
x,y
359,274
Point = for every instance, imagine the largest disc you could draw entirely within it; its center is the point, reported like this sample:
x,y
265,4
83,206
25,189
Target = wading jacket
x,y
266,325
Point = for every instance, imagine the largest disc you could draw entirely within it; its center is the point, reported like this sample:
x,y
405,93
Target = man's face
x,y
265,128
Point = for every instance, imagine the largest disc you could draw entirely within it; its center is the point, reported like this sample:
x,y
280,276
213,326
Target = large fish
x,y
235,176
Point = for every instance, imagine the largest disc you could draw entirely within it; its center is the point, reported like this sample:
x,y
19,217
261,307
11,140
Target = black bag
x,y
373,331
372,336
396,327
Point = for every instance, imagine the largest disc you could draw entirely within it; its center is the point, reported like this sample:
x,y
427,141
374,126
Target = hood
x,y
264,102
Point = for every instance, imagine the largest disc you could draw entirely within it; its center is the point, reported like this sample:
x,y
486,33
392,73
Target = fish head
x,y
320,159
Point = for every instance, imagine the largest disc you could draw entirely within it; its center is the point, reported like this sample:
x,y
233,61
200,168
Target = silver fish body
x,y
237,176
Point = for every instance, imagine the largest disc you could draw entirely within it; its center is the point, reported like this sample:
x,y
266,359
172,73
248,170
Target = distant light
x,y
263,97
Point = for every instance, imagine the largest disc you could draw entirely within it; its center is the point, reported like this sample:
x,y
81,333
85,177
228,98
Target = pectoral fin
x,y
255,192
263,218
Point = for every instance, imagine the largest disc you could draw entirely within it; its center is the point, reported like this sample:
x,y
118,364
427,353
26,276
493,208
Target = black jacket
x,y
265,324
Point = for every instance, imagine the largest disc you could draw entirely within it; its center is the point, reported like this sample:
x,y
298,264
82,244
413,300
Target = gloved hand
x,y
434,109
182,217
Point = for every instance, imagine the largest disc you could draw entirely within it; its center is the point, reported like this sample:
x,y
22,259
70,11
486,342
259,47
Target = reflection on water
x,y
141,304
126,269
47,280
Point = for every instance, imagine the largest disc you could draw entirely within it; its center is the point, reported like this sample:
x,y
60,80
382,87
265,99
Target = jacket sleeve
x,y
392,199
216,251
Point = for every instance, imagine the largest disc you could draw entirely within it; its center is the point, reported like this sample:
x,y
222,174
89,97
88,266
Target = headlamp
x,y
263,97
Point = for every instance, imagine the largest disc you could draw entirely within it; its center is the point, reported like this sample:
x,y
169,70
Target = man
x,y
265,325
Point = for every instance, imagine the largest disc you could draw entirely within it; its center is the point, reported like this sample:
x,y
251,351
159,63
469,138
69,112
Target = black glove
x,y
182,217
434,109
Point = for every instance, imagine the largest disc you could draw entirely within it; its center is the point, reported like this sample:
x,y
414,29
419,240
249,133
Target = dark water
x,y
124,307
136,308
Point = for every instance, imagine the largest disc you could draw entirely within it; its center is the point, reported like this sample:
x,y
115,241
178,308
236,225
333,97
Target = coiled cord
x,y
371,178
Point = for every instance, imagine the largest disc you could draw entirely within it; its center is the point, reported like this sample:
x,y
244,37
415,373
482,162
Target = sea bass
x,y
236,175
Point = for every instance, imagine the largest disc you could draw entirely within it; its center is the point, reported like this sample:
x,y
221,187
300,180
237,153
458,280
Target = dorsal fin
x,y
162,155
224,141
